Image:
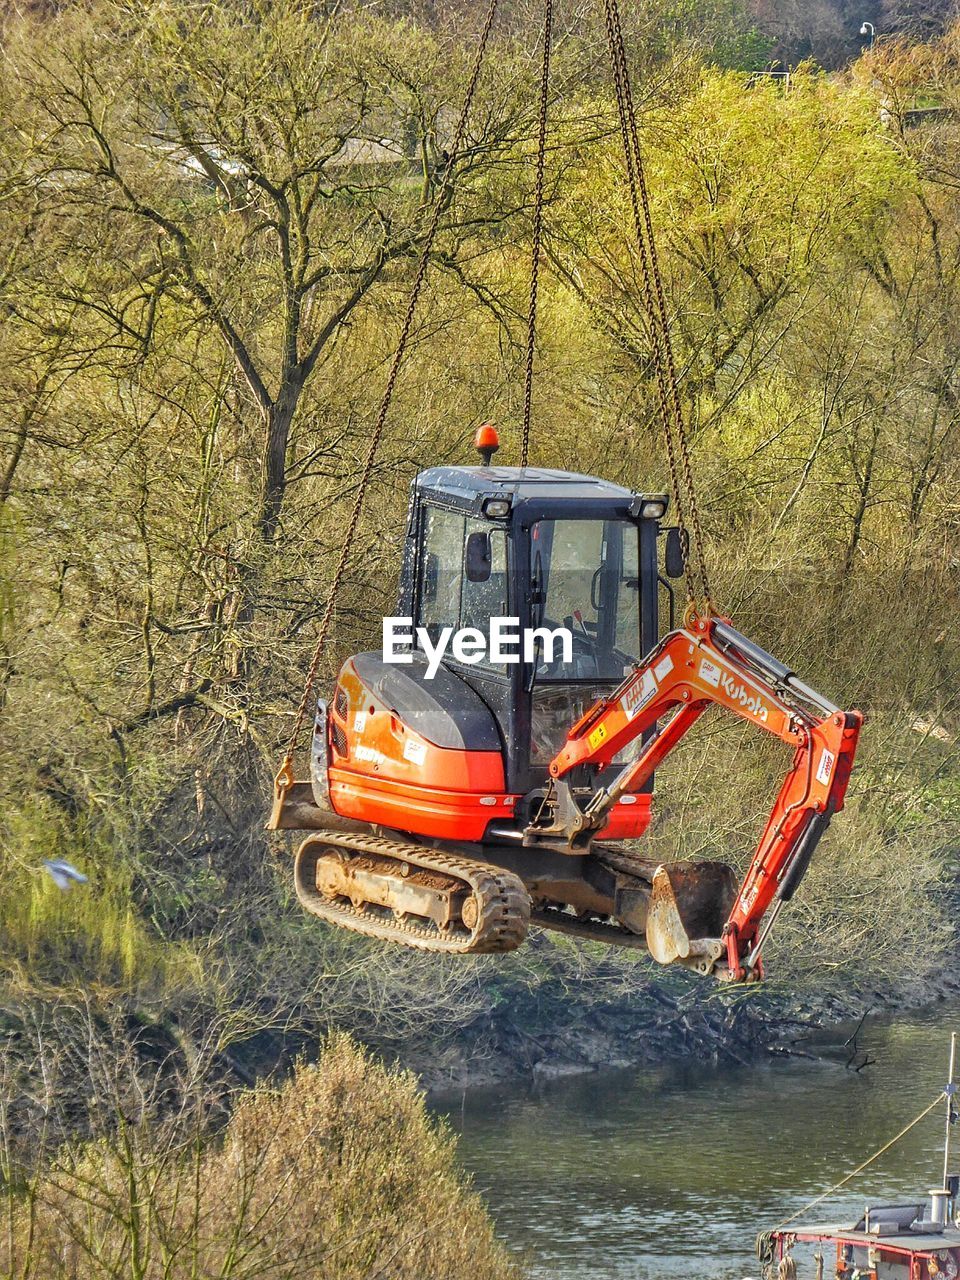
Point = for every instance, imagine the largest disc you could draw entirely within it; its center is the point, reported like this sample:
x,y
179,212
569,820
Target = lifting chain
x,y
671,408
537,231
284,777
678,452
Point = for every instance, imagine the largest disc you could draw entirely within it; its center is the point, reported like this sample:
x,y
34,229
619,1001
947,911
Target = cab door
x,y
464,582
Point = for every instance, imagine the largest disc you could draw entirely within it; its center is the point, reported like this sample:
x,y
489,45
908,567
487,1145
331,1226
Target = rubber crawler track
x,y
503,900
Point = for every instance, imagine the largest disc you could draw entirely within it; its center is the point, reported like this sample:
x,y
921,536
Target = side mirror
x,y
479,557
675,552
431,576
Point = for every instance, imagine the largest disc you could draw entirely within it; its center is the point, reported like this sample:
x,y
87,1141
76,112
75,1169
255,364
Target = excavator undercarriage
x,y
395,890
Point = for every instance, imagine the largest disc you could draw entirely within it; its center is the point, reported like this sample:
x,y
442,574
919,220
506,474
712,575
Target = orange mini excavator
x,y
460,791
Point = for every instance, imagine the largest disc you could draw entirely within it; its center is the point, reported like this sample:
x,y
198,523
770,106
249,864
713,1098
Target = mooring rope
x,y
860,1167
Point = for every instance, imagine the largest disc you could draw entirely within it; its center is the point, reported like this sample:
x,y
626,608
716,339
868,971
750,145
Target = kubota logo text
x,y
738,693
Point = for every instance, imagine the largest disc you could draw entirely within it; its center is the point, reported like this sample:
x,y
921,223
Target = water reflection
x,y
638,1175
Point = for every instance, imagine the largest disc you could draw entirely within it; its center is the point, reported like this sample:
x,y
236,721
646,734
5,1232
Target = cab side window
x,y
485,597
441,570
463,573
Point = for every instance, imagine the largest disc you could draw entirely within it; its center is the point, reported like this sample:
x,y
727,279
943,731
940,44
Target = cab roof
x,y
470,486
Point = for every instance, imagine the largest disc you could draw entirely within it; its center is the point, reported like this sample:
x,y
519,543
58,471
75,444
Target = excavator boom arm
x,y
710,663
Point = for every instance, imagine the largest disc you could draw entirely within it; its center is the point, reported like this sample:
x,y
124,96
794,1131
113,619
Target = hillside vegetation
x,y
201,285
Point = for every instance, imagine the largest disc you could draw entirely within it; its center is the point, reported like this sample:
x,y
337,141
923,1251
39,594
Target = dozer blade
x,y
689,904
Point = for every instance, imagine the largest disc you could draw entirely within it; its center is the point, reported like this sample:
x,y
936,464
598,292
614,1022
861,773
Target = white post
x,y
950,1097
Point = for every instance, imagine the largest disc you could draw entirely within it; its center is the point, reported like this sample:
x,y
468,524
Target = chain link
x,y
671,408
660,365
537,232
285,773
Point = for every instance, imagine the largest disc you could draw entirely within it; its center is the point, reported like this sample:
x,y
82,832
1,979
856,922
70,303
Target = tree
x,y
267,169
753,190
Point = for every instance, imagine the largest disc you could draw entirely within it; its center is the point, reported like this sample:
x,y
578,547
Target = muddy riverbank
x,y
681,1017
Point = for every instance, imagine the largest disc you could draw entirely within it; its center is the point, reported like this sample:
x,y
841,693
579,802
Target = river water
x,y
671,1172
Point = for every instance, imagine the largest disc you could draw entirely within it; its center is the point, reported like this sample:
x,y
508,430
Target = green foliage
x,y
729,37
93,936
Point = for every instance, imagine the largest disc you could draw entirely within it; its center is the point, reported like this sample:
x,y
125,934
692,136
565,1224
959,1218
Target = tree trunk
x,y
863,501
279,421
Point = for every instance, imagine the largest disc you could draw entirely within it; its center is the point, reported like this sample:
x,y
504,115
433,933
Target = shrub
x,y
340,1173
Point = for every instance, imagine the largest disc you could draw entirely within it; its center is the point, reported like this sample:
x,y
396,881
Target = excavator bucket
x,y
689,904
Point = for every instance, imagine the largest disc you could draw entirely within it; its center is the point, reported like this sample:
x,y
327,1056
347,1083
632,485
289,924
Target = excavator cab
x,y
525,596
552,553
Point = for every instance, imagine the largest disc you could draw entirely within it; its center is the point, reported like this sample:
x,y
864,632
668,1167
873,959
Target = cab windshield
x,y
585,577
